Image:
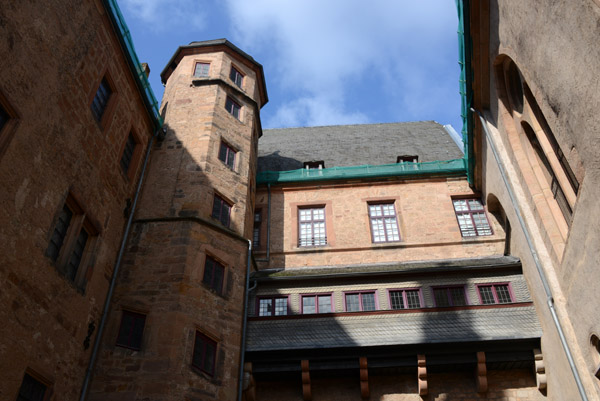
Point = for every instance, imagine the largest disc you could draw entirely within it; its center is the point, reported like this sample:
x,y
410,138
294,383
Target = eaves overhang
x,y
508,263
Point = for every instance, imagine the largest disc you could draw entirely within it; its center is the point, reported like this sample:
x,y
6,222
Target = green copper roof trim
x,y
122,31
448,168
465,83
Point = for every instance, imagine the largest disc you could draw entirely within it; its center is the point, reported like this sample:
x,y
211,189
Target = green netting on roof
x,y
466,94
445,168
123,29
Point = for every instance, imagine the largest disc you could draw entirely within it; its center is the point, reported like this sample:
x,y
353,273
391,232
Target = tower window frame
x,y
204,356
131,330
227,154
221,210
236,77
201,69
233,108
130,155
214,274
34,388
102,99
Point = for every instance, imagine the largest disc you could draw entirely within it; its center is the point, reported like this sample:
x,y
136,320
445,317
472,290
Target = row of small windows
x,y
470,214
364,301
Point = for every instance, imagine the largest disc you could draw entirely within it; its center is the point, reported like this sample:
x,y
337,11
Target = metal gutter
x,y
244,324
536,260
124,36
113,280
267,258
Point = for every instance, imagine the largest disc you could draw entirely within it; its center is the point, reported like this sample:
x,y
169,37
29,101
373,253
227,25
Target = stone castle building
x,y
180,252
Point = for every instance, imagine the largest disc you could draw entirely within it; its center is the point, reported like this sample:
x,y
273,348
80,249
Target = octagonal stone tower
x,y
175,327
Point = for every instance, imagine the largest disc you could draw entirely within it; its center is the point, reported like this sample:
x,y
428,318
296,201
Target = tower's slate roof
x,y
348,330
354,145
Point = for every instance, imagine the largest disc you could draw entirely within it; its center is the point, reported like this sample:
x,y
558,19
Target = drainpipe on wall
x,y
536,260
267,258
113,280
244,323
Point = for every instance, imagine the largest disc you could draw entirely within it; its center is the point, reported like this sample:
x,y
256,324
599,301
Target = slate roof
x,y
410,267
348,330
354,145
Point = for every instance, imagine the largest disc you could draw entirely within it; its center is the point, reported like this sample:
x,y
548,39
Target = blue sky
x,y
326,62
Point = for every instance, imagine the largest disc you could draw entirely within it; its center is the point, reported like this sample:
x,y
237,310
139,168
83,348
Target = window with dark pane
x,y
221,210
101,99
362,301
4,117
405,299
503,294
449,296
201,70
131,330
397,300
471,217
227,155
60,232
128,153
256,228
487,295
76,255
233,107
205,351
273,306
495,294
316,304
213,274
236,77
31,389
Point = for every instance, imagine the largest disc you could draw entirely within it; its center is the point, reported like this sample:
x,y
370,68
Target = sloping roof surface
x,y
354,145
519,322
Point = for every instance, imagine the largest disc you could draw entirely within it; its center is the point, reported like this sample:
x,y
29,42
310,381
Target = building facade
x,y
191,260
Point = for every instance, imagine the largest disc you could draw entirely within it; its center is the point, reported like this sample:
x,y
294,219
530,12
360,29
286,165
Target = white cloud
x,y
316,50
163,15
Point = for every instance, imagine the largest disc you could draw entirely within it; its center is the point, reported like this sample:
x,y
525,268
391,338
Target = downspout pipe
x,y
536,260
267,258
113,280
244,323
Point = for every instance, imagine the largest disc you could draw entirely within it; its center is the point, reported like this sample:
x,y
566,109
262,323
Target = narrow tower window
x,y
201,70
101,99
236,76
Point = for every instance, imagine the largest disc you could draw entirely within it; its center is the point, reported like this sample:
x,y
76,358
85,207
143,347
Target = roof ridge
x,y
354,125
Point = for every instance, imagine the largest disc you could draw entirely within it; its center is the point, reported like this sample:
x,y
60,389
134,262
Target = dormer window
x,y
314,165
407,158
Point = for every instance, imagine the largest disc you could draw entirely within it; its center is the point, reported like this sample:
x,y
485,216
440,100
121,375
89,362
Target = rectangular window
x,y
101,99
128,153
205,352
201,70
131,330
4,117
221,210
494,294
233,107
449,296
360,301
407,159
256,228
236,76
227,155
312,227
272,306
471,217
316,304
384,225
213,274
31,389
405,299
70,242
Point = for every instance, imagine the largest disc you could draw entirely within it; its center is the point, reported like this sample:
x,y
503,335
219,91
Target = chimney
x,y
146,69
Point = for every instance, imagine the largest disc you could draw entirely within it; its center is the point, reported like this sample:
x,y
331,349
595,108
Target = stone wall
x,y
52,148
